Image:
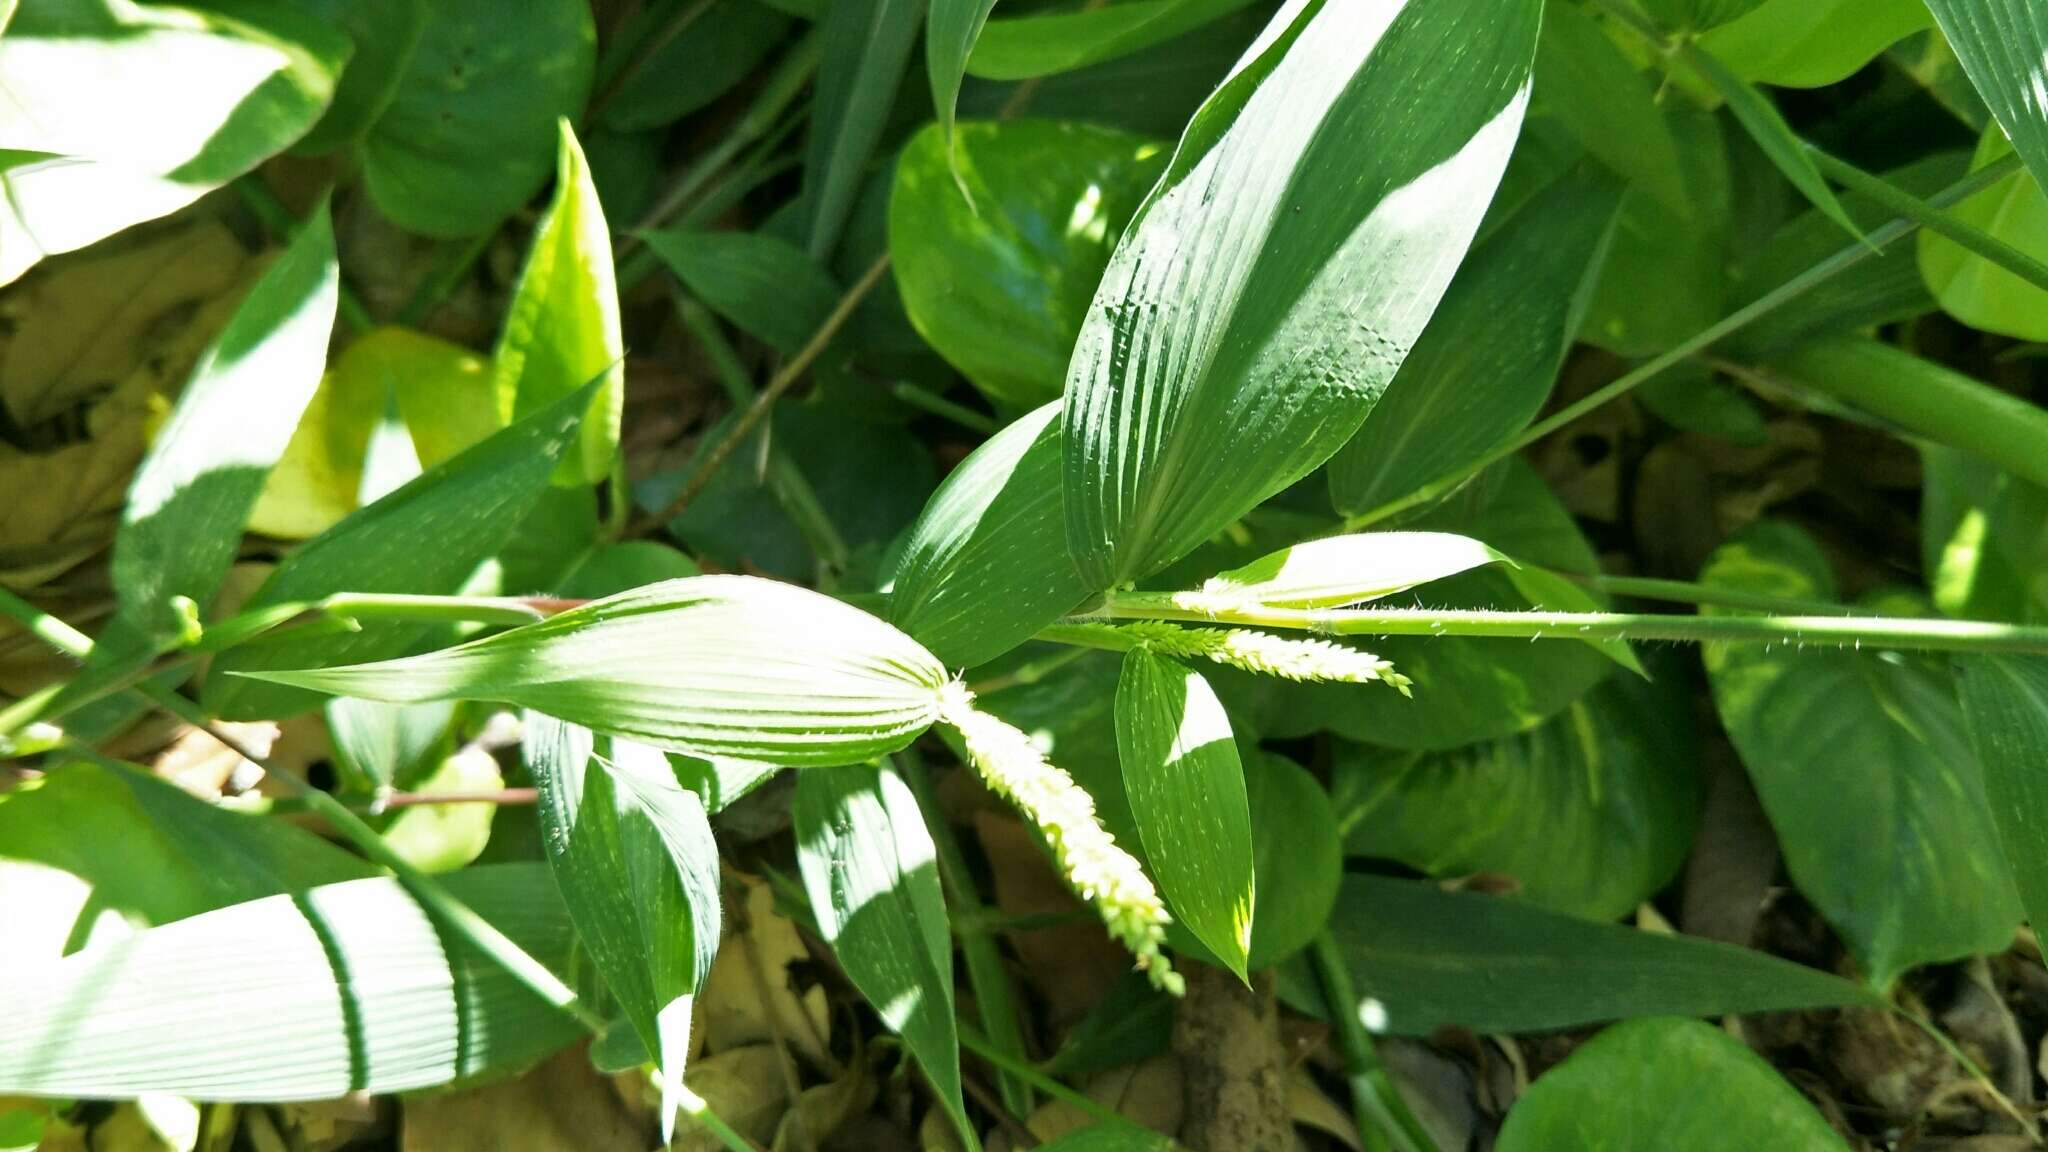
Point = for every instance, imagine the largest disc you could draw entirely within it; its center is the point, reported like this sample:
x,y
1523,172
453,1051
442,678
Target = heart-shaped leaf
x,y
1239,337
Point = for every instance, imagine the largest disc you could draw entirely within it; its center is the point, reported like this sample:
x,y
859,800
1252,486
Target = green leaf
x,y
562,329
1488,359
1591,813
1863,765
1812,43
2005,702
1297,857
348,987
1339,570
948,39
1021,47
1666,272
386,33
1761,119
118,112
1107,1137
1984,534
377,744
1186,789
427,537
633,854
1697,15
757,280
1423,959
1665,1085
986,565
998,280
1470,689
190,499
714,50
1229,327
155,853
469,134
2003,45
445,837
1606,104
1975,290
872,876
710,665
867,50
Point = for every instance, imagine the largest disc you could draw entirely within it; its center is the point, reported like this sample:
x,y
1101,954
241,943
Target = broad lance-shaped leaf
x,y
1765,125
867,50
193,494
563,325
986,565
1487,361
2003,45
2005,703
1272,285
1673,1085
117,112
757,280
1864,766
1340,570
1186,789
872,877
732,666
633,854
428,537
949,37
1044,43
1423,959
348,987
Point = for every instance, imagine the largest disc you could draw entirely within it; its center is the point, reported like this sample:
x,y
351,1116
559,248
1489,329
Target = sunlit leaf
x,y
427,537
2003,45
1487,361
1186,790
986,566
1340,570
710,665
348,987
1229,327
562,329
872,876
633,854
1863,765
1672,1085
1812,43
117,112
376,744
1975,290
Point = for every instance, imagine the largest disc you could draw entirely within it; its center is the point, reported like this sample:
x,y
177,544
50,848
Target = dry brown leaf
x,y
759,947
564,1105
744,1087
330,1125
825,1109
1071,965
1310,1107
98,344
1734,855
1148,1094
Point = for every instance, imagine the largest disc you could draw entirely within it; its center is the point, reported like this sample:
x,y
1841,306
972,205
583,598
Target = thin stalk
x,y
1848,257
792,74
279,221
937,405
1903,203
1686,592
986,975
758,411
791,487
1926,635
1384,1119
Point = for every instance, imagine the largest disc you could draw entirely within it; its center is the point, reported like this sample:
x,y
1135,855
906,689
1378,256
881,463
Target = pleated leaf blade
x,y
714,666
1271,286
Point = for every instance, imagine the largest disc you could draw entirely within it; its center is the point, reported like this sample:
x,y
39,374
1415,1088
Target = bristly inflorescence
x,y
1094,864
1263,653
